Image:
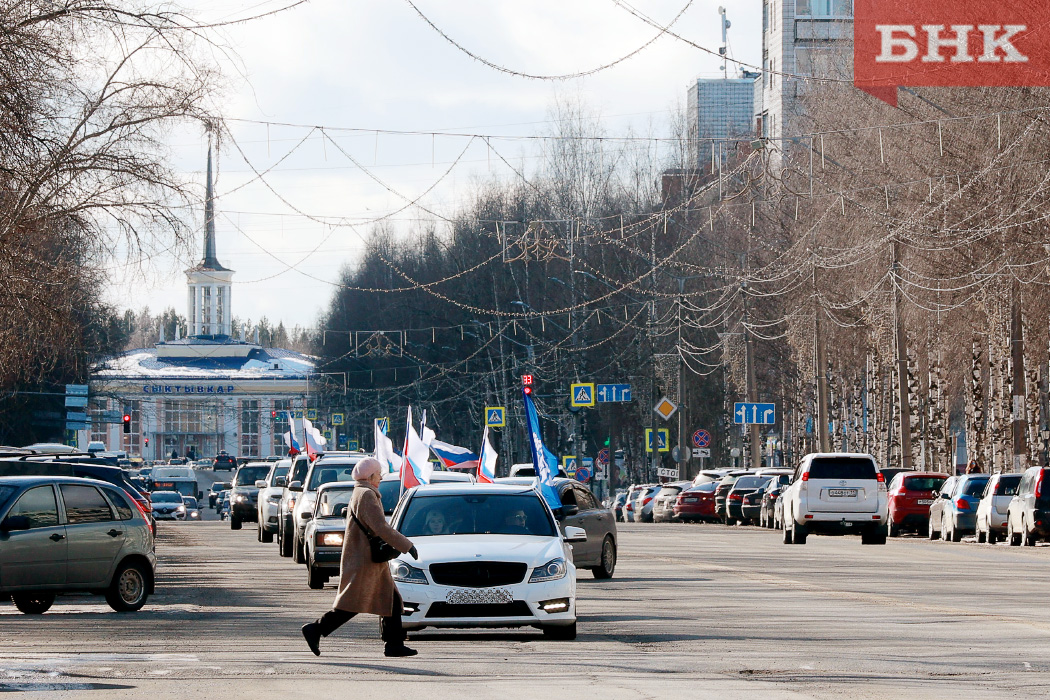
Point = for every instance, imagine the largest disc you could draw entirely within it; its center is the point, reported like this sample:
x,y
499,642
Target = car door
x,y
95,535
595,520
580,550
36,556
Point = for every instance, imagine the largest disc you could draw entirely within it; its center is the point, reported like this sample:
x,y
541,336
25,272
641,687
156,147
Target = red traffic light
x,y
127,418
528,390
127,423
273,414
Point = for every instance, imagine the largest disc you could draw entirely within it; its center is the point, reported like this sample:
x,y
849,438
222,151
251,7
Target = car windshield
x,y
842,468
247,476
923,483
333,503
189,501
728,480
327,473
477,514
670,490
279,471
705,488
1007,485
299,470
974,487
167,497
750,482
5,494
390,494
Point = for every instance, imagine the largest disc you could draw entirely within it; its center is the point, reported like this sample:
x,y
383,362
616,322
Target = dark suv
x,y
244,496
1028,515
225,462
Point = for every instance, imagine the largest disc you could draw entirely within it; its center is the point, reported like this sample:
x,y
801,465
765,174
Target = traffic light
x,y
273,414
147,442
127,423
526,384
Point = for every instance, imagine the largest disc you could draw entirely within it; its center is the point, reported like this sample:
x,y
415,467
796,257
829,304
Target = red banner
x,y
949,43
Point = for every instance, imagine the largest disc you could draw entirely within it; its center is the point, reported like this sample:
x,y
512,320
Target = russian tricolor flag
x,y
453,456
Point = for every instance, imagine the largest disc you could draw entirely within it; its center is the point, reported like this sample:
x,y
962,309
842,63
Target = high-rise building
x,y
720,112
799,38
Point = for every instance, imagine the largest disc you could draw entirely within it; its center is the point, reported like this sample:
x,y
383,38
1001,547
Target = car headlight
x,y
240,498
405,573
329,539
195,514
180,509
551,571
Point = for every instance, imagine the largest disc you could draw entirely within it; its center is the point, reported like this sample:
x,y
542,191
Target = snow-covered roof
x,y
259,363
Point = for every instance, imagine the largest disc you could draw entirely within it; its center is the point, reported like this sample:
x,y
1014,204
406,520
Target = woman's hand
x,y
413,553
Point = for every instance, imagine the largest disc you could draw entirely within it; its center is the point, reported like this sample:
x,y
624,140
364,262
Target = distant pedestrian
x,y
974,467
174,454
366,586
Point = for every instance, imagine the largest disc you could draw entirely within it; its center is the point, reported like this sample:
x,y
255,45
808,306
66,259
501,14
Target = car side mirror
x,y
295,486
308,516
946,495
569,511
15,523
575,534
260,483
281,481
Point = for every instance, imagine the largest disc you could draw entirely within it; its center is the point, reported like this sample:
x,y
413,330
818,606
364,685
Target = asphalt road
x,y
694,610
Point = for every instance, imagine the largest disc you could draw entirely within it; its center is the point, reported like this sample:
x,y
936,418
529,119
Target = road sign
x,y
754,413
76,401
601,471
603,456
569,464
582,395
495,416
353,445
384,425
701,438
341,441
661,437
614,393
338,418
669,473
77,389
311,414
665,408
583,474
327,435
699,452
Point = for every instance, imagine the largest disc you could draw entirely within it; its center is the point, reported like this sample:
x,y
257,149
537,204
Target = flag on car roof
x,y
453,456
416,467
546,464
315,442
290,438
487,460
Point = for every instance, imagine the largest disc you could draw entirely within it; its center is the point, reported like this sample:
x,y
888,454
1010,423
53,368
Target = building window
x,y
280,425
99,430
193,417
205,310
249,428
824,8
219,309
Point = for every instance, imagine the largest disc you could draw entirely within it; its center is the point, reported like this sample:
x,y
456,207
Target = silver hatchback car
x,y
64,534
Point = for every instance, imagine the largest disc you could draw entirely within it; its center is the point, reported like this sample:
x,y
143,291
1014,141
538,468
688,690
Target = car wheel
x,y
787,535
129,588
297,551
1012,537
235,523
956,536
981,537
265,535
892,530
33,603
608,565
933,534
1028,538
315,579
992,537
285,545
561,632
798,533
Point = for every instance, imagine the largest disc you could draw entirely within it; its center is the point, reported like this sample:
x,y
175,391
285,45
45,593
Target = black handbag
x,y
381,551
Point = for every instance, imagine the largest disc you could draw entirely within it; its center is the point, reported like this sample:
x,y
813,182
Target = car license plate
x,y
925,501
468,596
842,493
691,500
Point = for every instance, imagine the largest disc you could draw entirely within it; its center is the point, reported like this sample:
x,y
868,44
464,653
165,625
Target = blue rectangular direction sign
x,y
614,393
755,413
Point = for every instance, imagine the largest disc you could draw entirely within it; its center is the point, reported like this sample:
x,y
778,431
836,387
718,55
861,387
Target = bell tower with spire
x,y
208,311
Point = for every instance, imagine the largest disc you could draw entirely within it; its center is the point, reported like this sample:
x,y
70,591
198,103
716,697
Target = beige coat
x,y
364,585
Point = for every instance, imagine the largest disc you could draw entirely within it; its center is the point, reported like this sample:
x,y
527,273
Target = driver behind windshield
x,y
516,522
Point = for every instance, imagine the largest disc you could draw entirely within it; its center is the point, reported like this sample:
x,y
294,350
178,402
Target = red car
x,y
697,503
910,496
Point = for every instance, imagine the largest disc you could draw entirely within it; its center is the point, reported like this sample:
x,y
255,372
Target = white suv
x,y
269,504
835,494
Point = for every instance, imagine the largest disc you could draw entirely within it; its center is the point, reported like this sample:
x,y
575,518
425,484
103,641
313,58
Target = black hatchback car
x,y
225,462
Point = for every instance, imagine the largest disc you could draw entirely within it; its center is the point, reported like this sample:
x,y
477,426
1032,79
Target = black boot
x,y
312,634
398,649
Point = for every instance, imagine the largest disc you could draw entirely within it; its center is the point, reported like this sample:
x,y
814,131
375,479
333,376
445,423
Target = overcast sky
x,y
375,64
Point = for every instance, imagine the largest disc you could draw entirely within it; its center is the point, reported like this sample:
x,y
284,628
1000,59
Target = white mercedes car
x,y
490,555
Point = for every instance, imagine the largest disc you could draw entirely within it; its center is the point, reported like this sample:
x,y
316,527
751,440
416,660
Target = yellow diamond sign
x,y
665,408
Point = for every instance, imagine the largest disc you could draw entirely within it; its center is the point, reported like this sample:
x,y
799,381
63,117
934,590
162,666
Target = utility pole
x,y
1019,420
752,384
904,410
820,375
683,447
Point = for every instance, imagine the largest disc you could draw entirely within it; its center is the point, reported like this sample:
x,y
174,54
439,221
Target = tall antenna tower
x,y
724,48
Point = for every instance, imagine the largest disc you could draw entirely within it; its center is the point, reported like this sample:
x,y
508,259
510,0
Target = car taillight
x,y
630,506
962,504
773,496
881,477
805,476
1039,484
736,497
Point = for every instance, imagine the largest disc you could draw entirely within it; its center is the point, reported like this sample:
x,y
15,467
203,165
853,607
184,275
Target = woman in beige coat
x,y
366,586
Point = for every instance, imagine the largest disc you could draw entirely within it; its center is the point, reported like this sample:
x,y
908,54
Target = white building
x,y
204,393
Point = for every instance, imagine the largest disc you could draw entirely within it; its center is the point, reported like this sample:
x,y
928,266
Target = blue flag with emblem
x,y
546,464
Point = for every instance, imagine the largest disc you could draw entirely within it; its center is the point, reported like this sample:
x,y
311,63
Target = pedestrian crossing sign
x,y
495,416
657,440
582,396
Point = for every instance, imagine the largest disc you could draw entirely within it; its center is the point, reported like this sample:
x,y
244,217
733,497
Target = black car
x,y
770,494
225,462
244,496
724,487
